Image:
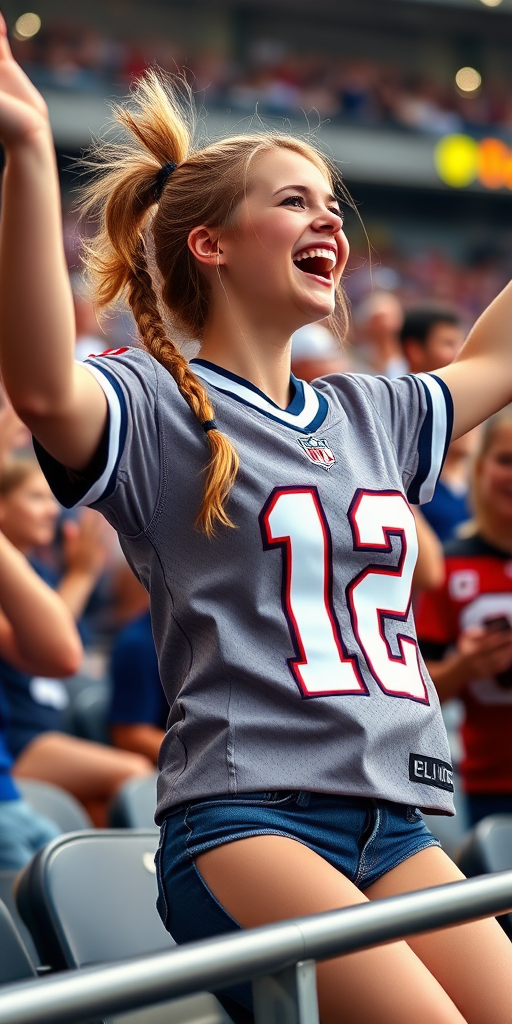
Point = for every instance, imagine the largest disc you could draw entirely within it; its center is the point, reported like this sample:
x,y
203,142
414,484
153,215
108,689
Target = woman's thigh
x,y
269,878
88,770
473,962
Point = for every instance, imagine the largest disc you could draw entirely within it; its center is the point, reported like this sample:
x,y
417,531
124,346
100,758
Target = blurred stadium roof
x,y
421,37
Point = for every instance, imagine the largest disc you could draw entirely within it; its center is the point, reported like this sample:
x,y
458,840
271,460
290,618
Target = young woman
x,y
465,627
34,704
268,520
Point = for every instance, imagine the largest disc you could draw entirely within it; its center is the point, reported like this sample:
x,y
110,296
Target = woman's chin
x,y
316,306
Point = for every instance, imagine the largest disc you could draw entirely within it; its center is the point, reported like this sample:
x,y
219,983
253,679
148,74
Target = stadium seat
x,y
134,805
487,848
15,963
89,898
55,803
90,708
7,883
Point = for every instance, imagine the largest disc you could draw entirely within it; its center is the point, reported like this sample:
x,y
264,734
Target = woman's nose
x,y
328,220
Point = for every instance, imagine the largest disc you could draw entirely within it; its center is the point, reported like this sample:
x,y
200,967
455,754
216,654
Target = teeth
x,y
311,253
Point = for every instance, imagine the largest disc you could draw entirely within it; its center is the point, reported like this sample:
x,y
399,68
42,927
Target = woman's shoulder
x,y
137,372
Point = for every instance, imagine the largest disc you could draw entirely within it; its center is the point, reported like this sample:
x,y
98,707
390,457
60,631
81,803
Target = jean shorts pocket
x,y
162,905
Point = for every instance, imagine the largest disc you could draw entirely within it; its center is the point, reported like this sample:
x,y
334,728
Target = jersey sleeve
x,y
122,479
417,414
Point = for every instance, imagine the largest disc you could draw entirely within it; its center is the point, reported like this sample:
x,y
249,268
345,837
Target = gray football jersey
x,y
287,645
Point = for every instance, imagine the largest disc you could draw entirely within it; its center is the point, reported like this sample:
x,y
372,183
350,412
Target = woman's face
x,y
494,474
28,514
286,252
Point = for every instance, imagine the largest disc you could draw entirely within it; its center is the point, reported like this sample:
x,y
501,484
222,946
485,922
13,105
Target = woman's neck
x,y
256,352
496,531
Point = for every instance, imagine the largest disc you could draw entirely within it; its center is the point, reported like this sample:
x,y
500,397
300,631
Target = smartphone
x,y
500,624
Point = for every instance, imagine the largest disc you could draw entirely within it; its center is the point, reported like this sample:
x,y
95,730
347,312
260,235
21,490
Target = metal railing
x,y
278,958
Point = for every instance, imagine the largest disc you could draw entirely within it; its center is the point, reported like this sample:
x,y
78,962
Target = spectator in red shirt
x,y
465,627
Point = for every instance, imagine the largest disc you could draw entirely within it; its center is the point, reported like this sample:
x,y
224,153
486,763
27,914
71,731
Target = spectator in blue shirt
x,y
37,634
92,772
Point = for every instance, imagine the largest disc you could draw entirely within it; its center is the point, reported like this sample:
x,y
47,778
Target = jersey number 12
x,y
294,520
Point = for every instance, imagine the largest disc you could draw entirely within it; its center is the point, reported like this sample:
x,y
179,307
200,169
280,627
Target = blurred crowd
x,y
81,704
272,79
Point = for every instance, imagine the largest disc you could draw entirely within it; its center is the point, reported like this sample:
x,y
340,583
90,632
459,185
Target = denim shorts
x,y
362,838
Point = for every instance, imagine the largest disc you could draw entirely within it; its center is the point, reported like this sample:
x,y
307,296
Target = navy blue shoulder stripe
x,y
434,437
97,481
424,453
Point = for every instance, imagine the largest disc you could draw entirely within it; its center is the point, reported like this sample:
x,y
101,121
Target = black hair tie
x,y
161,178
209,425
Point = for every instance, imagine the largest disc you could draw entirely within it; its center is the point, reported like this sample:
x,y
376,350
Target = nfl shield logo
x,y
317,450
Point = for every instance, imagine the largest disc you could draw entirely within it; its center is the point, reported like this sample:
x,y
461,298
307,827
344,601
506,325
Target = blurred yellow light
x,y
491,3
456,159
468,79
27,25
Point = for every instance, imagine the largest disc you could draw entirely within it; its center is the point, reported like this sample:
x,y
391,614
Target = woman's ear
x,y
204,245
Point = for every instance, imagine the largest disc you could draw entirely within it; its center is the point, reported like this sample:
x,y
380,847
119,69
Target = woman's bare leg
x,y
473,962
270,878
91,772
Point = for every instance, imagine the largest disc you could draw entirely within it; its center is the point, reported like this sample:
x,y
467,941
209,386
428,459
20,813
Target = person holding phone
x,y
465,627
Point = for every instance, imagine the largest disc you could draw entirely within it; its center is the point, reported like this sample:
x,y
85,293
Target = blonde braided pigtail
x,y
222,466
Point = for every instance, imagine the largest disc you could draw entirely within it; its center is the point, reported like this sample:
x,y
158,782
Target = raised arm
x,y
480,378
61,403
37,632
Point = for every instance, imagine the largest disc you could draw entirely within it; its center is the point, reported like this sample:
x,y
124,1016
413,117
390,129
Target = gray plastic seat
x,y
55,803
487,848
15,963
7,883
135,804
89,898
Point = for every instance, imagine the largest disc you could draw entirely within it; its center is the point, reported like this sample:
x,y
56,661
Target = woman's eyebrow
x,y
305,190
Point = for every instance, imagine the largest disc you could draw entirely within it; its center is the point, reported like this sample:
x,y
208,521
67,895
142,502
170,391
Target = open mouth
x,y
320,262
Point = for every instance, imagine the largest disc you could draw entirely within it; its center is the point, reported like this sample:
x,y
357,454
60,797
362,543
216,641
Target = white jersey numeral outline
x,y
294,520
381,593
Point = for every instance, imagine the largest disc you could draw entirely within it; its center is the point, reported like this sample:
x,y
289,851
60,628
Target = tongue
x,y
315,265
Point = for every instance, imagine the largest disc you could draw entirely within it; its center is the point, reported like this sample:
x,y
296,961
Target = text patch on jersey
x,y
431,772
317,450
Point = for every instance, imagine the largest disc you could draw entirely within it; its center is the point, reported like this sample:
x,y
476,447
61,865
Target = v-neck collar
x,y
306,411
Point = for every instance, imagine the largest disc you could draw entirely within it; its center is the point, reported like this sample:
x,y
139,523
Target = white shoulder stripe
x,y
233,387
96,491
439,429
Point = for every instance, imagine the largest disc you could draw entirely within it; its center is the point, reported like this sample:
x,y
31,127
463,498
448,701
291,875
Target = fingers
x,y
70,529
5,49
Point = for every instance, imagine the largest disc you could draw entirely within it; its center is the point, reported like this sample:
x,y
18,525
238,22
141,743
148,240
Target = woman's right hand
x,y
483,653
23,111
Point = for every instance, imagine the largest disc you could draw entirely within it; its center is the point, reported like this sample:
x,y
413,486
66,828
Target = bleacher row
x,y
88,898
